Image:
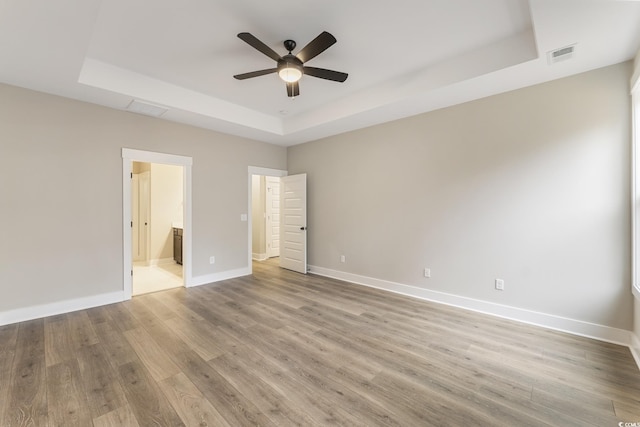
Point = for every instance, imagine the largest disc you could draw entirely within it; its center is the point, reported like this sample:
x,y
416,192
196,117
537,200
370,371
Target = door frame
x,y
255,170
128,157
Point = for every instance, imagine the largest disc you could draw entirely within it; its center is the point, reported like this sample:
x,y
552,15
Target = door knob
x,y
303,228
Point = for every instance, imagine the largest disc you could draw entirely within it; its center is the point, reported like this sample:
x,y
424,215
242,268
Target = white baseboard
x,y
216,277
635,348
60,307
259,257
576,327
67,306
563,324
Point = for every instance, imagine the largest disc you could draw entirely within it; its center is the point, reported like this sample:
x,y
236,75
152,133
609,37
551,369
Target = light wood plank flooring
x,y
278,349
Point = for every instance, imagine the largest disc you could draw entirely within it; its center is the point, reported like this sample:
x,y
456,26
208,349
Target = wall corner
x,y
635,74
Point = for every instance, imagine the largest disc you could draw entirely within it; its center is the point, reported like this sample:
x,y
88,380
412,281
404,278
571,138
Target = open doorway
x,y
157,209
265,213
264,218
149,257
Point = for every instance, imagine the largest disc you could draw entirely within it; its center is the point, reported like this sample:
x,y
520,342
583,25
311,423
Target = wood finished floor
x,y
278,348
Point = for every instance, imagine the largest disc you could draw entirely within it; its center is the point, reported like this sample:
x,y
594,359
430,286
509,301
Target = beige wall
x,y
530,186
166,208
61,194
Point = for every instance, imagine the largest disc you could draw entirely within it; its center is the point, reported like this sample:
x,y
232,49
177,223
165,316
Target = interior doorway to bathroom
x,y
156,214
157,205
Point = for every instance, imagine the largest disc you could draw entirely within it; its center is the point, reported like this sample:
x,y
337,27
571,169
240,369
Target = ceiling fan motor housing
x,y
290,61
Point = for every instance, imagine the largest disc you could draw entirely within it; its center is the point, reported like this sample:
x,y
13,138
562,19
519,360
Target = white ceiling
x,y
403,58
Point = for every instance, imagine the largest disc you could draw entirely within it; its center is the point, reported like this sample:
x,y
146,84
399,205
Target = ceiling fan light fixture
x,y
290,68
290,74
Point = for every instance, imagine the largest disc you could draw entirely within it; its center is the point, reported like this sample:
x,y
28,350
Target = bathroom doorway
x,y
148,254
157,206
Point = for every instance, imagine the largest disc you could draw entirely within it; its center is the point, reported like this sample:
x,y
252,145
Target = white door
x,y
139,215
273,216
135,214
145,208
293,220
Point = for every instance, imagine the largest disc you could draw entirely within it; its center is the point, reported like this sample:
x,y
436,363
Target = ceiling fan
x,y
291,67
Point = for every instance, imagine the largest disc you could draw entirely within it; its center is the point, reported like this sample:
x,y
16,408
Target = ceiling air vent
x,y
561,54
145,108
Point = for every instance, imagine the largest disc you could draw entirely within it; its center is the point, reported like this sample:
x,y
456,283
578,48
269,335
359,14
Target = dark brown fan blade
x,y
293,89
255,74
322,73
316,47
252,41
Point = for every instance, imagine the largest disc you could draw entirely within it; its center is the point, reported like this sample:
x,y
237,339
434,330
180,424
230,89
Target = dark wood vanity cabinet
x,y
177,245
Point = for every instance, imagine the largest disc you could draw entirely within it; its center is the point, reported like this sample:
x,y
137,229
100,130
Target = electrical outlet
x,y
212,260
343,258
500,284
427,272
